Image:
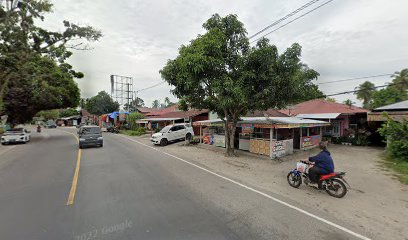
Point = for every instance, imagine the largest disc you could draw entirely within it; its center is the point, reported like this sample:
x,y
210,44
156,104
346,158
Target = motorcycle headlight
x,y
82,139
100,138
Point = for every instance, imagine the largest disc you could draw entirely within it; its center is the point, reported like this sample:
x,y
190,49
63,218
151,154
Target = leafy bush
x,y
137,132
396,135
131,119
342,139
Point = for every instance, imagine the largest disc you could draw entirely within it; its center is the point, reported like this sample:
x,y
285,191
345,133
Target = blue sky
x,y
344,39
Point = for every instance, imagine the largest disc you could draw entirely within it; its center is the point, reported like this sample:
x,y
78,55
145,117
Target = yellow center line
x,y
72,192
71,196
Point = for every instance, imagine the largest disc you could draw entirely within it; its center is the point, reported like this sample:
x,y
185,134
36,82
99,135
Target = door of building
x,y
296,138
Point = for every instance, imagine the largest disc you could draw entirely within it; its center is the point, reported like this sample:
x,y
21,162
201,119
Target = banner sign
x,y
281,148
310,141
247,127
292,125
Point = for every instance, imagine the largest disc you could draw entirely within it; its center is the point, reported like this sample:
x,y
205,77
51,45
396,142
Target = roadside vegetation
x,y
396,158
134,128
137,132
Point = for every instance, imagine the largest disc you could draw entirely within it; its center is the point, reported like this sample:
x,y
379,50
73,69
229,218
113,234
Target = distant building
x,y
397,111
340,116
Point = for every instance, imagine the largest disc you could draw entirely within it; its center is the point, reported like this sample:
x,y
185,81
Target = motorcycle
x,y
38,129
113,129
333,183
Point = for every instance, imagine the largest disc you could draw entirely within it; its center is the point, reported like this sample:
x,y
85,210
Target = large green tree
x,y
388,95
34,74
101,103
49,114
68,112
221,72
401,80
365,93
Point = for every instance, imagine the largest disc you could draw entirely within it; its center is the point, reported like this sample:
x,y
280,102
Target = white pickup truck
x,y
171,133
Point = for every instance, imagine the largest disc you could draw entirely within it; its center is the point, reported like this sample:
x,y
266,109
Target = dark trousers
x,y
314,174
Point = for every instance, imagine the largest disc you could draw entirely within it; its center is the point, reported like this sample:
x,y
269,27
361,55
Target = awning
x,y
319,115
115,114
160,119
141,121
269,122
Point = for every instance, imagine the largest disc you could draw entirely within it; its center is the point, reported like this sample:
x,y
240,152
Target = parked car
x,y
50,125
172,133
15,135
90,135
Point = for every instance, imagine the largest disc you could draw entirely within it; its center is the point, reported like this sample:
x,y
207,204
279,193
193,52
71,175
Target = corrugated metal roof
x,y
396,106
319,115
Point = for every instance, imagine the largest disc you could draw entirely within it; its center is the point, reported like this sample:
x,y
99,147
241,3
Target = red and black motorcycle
x,y
333,183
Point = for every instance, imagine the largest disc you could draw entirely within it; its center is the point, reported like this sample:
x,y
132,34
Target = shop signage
x,y
247,127
278,146
293,125
310,141
281,148
215,124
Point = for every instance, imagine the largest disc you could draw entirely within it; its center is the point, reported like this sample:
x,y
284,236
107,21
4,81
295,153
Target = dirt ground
x,y
377,202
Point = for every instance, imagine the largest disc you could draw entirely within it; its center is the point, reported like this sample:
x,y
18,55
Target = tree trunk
x,y
230,125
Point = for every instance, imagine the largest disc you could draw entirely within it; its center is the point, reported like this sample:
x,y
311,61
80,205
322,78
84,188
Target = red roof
x,y
322,106
268,113
181,114
159,112
145,109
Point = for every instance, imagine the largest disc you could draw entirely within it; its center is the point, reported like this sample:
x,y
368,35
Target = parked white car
x,y
15,135
171,133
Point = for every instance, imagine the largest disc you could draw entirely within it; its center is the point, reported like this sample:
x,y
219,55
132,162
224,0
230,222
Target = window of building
x,y
261,133
304,132
314,131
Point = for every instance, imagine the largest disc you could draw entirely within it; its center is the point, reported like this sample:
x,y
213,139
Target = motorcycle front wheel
x,y
294,179
336,188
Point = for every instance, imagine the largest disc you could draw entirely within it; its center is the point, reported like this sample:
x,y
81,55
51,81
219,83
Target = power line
x,y
354,91
155,85
284,18
357,78
308,12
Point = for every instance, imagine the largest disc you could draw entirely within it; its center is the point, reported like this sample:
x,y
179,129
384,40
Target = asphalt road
x,y
129,191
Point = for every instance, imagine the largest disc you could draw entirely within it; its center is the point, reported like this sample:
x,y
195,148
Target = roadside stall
x,y
273,136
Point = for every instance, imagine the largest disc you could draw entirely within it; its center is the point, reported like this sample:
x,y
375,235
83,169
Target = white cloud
x,y
348,38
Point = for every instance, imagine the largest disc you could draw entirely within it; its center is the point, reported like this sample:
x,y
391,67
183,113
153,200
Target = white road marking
x,y
259,192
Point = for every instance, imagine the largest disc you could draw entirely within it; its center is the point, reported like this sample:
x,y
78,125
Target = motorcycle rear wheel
x,y
336,188
294,180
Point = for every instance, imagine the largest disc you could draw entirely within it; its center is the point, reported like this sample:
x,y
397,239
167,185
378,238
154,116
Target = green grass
x,y
132,132
399,167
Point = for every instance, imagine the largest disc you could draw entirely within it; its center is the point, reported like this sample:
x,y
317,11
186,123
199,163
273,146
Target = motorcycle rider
x,y
323,163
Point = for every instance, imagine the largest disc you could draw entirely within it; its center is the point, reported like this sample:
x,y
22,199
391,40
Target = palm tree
x,y
365,93
348,102
156,104
401,79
